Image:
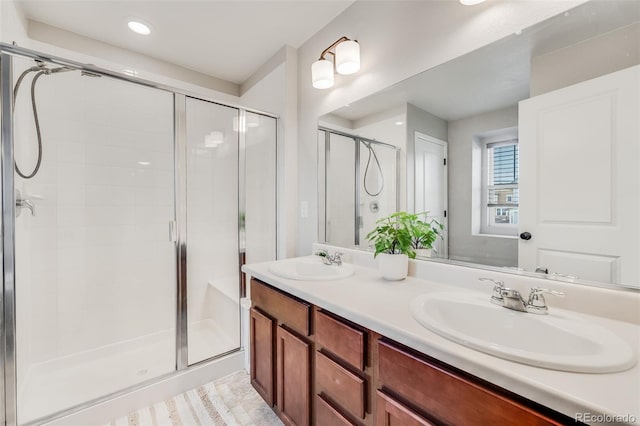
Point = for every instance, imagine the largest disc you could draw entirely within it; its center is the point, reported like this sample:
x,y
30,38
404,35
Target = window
x,y
500,187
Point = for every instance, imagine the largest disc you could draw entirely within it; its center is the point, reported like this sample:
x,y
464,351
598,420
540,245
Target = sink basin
x,y
557,341
310,269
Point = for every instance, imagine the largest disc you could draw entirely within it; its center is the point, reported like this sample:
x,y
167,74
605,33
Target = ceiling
x,y
225,39
498,75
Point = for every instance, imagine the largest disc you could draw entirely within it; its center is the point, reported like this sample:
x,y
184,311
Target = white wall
x,y
276,92
398,40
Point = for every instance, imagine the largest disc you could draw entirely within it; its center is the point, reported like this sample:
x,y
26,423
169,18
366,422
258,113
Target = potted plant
x,y
424,233
392,239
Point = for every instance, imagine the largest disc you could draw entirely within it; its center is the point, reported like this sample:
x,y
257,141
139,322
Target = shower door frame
x,y
322,179
8,376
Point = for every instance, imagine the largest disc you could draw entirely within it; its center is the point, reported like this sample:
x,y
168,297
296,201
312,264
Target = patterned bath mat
x,y
229,401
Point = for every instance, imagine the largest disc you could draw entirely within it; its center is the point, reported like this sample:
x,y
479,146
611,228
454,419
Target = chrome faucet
x,y
512,299
328,259
536,303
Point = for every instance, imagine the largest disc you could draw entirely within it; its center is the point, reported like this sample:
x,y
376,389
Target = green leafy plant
x,y
403,233
424,232
392,235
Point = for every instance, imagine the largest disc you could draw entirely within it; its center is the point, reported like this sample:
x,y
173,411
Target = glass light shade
x,y
471,2
322,74
348,57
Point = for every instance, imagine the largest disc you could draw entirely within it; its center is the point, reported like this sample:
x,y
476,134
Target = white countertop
x,y
383,306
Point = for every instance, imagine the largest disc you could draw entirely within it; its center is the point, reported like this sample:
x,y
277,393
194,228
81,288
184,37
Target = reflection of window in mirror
x,y
500,176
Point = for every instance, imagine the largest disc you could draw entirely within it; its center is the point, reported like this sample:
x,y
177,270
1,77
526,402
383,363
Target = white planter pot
x,y
393,267
424,252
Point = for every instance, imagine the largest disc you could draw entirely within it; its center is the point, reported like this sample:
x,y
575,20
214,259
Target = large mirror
x,y
527,150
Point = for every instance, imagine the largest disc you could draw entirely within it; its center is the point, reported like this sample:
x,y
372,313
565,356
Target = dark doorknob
x,y
525,236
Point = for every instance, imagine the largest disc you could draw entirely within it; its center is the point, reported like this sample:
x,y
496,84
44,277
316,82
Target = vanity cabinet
x,y
317,368
428,391
281,352
342,376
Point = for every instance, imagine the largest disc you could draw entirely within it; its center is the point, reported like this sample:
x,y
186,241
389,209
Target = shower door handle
x,y
173,237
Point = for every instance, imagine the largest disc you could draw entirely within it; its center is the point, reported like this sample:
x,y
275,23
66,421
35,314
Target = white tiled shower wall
x,y
95,264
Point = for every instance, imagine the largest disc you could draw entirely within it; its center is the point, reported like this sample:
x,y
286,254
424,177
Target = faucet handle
x,y
498,287
536,303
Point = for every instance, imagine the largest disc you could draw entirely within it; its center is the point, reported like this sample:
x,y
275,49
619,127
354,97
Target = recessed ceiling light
x,y
139,28
471,2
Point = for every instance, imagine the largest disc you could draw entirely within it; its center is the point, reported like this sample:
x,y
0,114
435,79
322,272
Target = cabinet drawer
x,y
327,415
340,339
447,396
392,413
342,386
292,312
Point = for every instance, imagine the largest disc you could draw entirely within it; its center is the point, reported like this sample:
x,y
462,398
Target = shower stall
x,y
124,231
358,181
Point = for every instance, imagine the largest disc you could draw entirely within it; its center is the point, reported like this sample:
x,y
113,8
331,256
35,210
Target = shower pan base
x,y
60,384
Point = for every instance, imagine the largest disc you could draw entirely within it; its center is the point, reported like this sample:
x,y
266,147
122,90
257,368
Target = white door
x,y
431,183
580,177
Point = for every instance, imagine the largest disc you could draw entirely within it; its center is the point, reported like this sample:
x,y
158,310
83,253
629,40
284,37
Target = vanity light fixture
x,y
346,60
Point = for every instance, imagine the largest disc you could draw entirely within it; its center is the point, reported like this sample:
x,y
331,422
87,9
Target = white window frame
x,y
510,230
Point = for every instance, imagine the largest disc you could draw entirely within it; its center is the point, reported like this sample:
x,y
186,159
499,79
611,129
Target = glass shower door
x,y
212,229
95,265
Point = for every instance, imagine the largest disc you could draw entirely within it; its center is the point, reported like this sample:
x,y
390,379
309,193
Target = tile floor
x,y
228,401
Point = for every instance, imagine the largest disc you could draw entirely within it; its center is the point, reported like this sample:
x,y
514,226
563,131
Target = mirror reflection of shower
x,y
39,69
378,177
358,185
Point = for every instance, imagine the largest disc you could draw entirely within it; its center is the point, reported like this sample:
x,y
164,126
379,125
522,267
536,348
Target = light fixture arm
x,y
334,44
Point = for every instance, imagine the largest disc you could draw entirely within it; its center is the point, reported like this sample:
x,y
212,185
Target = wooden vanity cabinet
x,y
434,393
281,352
316,368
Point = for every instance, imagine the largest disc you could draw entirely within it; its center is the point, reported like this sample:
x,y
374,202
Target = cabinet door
x,y
392,413
262,355
293,378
